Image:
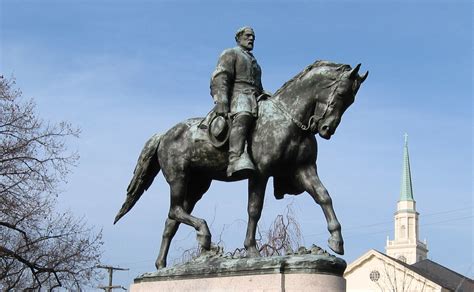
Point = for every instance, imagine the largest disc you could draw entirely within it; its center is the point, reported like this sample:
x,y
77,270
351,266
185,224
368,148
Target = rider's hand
x,y
222,109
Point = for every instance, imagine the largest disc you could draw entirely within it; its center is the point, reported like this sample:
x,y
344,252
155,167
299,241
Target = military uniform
x,y
236,81
235,85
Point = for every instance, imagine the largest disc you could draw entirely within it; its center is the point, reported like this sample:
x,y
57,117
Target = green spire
x,y
406,191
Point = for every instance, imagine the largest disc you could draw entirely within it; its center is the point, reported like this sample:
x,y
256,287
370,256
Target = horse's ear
x,y
363,77
354,72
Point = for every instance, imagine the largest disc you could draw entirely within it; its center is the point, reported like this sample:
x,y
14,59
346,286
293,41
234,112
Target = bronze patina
x,y
281,144
235,85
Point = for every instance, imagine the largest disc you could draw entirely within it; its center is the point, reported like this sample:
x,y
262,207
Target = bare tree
x,y
398,279
39,247
283,236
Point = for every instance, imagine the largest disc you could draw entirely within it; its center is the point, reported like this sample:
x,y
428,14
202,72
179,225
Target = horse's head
x,y
340,94
316,98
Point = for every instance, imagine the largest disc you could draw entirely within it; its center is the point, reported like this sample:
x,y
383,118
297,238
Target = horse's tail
x,y
146,170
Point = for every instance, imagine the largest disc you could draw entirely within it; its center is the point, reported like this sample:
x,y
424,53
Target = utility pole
x,y
111,269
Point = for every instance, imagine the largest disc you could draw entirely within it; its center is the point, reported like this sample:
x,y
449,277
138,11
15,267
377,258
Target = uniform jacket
x,y
237,80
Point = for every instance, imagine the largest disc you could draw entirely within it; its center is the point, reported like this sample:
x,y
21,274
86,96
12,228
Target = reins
x,y
300,124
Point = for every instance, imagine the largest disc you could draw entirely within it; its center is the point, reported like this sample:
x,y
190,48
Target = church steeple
x,y
406,245
406,190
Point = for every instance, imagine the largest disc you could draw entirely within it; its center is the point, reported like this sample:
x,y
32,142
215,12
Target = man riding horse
x,y
282,144
235,85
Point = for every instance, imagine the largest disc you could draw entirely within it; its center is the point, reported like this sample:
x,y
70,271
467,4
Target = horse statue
x,y
282,145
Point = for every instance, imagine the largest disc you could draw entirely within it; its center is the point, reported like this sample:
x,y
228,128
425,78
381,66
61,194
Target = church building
x,y
405,265
406,245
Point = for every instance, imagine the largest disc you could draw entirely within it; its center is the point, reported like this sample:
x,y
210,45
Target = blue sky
x,y
124,70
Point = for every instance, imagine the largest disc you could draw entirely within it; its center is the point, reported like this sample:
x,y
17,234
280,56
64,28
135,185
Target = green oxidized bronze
x,y
280,135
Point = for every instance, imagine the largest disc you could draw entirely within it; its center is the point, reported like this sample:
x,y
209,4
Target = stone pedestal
x,y
300,273
254,283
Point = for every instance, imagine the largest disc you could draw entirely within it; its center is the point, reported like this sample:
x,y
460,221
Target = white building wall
x,y
391,277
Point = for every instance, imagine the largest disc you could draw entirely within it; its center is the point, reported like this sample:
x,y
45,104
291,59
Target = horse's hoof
x,y
204,241
160,264
336,246
253,253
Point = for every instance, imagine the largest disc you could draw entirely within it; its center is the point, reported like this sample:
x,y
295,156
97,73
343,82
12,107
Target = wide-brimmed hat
x,y
219,130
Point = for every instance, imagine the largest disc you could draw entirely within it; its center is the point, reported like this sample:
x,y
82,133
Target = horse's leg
x,y
309,179
171,225
256,190
179,189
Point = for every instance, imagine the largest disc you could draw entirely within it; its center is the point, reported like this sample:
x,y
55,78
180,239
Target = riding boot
x,y
240,164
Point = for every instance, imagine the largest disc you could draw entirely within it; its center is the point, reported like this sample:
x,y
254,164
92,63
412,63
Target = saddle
x,y
218,127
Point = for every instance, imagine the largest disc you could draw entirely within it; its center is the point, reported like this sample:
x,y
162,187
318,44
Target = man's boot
x,y
240,164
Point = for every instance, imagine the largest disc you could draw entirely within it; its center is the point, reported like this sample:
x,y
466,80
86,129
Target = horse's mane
x,y
335,70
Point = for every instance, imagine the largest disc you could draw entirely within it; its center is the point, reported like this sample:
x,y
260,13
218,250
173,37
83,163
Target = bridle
x,y
314,118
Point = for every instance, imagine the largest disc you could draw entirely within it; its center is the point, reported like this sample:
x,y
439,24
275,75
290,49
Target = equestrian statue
x,y
251,135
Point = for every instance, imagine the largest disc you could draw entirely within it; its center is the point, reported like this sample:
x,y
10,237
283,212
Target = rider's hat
x,y
219,130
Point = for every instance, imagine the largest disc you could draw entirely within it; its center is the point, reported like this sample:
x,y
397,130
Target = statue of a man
x,y
235,85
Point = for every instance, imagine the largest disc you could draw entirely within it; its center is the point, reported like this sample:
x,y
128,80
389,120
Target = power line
x,y
365,226
424,215
432,223
426,224
391,221
449,211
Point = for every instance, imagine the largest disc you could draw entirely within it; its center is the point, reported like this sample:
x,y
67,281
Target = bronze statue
x,y
282,145
235,85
